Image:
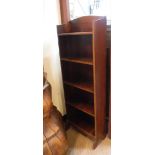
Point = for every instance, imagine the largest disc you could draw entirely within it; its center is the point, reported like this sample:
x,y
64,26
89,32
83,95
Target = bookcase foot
x,y
95,144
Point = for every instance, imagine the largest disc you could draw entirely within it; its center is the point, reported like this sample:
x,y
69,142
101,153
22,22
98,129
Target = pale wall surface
x,y
51,57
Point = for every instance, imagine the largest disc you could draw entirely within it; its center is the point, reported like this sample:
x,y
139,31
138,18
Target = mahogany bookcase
x,y
82,46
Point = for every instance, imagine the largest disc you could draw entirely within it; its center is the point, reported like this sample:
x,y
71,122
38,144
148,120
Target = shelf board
x,y
83,126
75,33
84,107
81,85
87,61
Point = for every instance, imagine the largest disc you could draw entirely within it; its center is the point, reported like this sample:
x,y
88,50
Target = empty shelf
x,y
83,126
87,61
81,85
75,33
84,107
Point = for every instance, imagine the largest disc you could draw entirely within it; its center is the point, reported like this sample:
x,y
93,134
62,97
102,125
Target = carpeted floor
x,y
81,145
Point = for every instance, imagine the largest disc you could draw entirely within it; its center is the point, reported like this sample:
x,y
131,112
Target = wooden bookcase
x,y
82,45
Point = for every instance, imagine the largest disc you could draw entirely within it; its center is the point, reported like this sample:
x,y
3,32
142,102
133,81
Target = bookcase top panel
x,y
82,24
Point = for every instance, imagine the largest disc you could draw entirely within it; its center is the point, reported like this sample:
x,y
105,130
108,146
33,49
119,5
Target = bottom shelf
x,y
81,121
85,127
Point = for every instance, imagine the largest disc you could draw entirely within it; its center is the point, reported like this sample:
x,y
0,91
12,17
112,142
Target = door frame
x,y
64,11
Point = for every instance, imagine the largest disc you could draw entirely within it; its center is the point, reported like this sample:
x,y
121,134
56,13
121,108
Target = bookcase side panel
x,y
65,28
99,60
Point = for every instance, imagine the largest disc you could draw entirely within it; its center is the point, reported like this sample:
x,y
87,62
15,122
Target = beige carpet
x,y
81,145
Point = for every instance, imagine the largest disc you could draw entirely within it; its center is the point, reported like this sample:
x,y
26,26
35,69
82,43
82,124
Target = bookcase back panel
x,y
76,46
78,115
73,72
84,24
74,95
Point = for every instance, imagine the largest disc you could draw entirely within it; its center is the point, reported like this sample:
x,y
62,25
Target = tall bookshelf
x,y
82,46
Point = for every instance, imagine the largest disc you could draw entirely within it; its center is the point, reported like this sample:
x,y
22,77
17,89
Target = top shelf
x,y
75,33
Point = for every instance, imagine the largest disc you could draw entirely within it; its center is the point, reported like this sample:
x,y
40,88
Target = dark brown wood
x,y
76,46
75,33
109,123
65,28
81,121
84,107
84,23
87,61
84,86
84,128
99,55
64,9
82,44
108,81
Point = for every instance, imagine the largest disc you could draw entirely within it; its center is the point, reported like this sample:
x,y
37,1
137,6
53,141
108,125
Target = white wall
x,y
51,58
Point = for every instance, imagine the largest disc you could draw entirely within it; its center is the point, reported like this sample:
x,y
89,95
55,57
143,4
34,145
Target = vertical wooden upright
x,y
64,10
